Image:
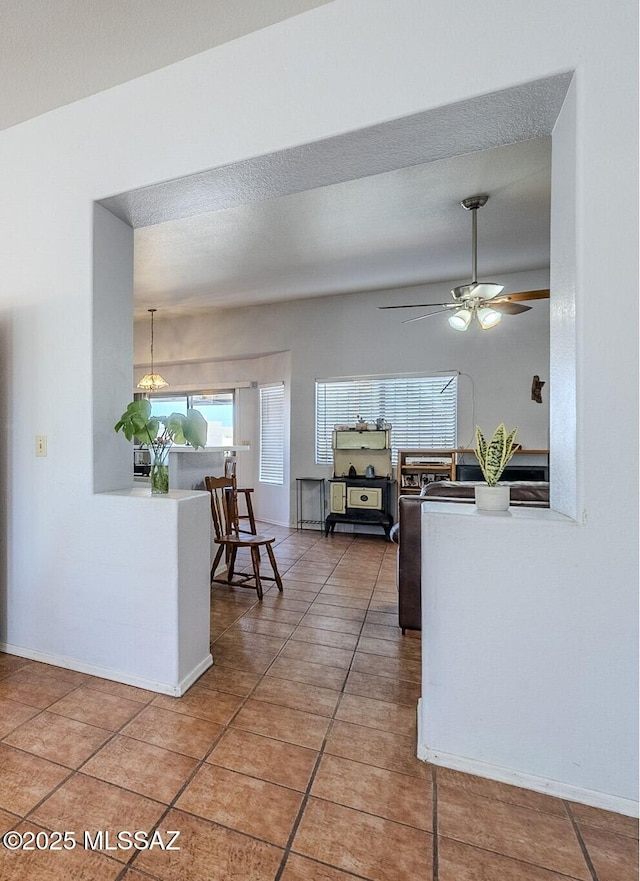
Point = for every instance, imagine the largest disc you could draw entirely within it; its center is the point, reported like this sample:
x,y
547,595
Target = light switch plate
x,y
41,445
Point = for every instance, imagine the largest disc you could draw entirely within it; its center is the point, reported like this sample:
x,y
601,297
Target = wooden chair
x,y
230,474
228,538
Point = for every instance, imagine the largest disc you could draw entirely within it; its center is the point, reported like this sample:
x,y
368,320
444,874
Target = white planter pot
x,y
492,499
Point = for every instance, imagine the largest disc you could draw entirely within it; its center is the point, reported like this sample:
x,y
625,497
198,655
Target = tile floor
x,y
291,759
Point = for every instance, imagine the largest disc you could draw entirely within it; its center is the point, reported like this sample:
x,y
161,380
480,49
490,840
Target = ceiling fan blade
x,y
429,314
527,295
416,306
508,308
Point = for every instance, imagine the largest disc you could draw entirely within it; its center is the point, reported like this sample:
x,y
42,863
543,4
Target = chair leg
x,y
219,553
274,566
255,559
232,564
252,519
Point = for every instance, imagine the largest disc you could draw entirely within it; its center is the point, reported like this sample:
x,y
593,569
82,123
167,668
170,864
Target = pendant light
x,y
152,382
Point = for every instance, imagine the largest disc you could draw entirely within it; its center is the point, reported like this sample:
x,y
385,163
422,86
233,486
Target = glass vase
x,y
159,472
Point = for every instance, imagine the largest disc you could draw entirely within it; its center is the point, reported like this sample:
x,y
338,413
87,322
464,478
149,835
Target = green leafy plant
x,y
138,421
493,456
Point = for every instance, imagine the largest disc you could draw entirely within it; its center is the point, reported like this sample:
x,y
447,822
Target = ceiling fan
x,y
481,300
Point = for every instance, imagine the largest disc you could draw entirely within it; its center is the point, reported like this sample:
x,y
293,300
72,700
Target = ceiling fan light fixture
x,y
461,319
152,382
488,318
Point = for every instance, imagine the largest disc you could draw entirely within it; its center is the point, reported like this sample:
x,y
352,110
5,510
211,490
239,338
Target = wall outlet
x,y
41,445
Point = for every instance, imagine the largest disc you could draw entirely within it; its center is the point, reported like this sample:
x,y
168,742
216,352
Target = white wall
x,y
349,336
240,100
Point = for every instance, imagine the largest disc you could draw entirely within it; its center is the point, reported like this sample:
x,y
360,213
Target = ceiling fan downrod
x,y
472,203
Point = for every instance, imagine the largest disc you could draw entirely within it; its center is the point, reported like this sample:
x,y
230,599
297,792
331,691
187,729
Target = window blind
x,y
271,465
422,410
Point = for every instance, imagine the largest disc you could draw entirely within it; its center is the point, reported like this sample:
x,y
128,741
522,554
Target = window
x,y
216,407
271,467
422,410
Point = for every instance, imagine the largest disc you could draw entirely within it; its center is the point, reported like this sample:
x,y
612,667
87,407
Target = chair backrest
x,y
230,463
223,505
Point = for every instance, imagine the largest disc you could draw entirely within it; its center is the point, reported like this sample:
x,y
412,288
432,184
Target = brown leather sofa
x,y
409,536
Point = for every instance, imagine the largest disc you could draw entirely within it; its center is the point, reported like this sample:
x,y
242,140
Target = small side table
x,y
315,485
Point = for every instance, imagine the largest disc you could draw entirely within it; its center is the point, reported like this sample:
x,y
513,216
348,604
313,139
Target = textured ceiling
x,y
53,52
370,209
377,208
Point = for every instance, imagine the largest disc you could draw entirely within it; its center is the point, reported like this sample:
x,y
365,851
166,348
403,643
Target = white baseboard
x,y
590,797
191,677
107,673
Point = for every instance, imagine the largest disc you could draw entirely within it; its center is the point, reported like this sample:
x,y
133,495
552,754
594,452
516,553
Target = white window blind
x,y
271,466
422,410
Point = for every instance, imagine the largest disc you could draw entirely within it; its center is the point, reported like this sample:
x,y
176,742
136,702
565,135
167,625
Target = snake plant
x,y
493,456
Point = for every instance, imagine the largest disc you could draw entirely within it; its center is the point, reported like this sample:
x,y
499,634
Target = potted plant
x,y
137,421
493,457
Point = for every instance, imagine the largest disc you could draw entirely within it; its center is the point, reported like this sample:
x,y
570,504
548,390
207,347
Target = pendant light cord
x,y
152,311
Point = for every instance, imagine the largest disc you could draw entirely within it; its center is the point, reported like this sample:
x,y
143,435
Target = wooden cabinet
x,y
417,467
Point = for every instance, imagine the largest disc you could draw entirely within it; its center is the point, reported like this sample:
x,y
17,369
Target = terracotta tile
x,y
274,760
303,671
58,674
298,590
324,637
303,574
514,831
276,600
526,798
391,648
376,791
331,623
13,714
388,608
318,654
350,585
399,691
11,663
205,703
26,779
246,660
461,862
58,739
395,752
7,821
209,852
134,875
238,640
282,723
391,668
240,802
388,620
363,844
584,814
55,865
175,731
303,869
119,689
268,628
96,708
35,689
352,606
297,695
228,680
377,714
615,857
141,767
86,803
284,616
